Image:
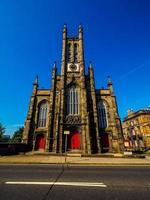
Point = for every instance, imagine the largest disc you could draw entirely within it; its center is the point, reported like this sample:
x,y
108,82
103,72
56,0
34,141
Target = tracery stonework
x,y
73,104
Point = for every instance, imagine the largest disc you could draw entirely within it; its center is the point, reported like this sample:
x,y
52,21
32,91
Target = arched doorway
x,y
40,142
74,140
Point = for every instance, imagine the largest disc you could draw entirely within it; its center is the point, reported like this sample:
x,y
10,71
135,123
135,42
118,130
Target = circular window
x,y
73,67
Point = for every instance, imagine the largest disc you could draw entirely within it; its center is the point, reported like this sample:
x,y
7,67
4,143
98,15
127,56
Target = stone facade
x,y
136,129
73,104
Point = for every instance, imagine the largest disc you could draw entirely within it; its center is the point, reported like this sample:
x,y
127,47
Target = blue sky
x,y
116,40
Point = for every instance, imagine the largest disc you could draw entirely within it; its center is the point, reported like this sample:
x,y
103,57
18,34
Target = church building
x,y
73,115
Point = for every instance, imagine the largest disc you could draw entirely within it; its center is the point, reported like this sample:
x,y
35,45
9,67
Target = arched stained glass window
x,y
102,114
75,53
42,114
73,102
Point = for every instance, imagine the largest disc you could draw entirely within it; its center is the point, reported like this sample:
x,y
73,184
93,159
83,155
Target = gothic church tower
x,y
73,106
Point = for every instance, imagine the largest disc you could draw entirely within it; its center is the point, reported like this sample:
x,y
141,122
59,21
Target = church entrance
x,y
74,140
40,142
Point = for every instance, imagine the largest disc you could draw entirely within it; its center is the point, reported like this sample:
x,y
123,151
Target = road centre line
x,y
82,184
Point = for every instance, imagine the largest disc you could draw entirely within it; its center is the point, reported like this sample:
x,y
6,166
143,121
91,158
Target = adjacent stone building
x,y
136,129
73,114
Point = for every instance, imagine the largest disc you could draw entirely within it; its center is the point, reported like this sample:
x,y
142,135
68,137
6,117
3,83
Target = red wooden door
x,y
41,142
75,140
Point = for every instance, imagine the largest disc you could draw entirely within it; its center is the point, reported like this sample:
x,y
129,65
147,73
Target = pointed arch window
x,y
75,53
73,100
42,114
69,52
102,115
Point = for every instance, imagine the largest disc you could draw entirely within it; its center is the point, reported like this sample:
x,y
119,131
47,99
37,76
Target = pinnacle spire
x,y
90,64
35,86
65,31
36,80
80,30
65,27
110,84
54,66
80,27
109,81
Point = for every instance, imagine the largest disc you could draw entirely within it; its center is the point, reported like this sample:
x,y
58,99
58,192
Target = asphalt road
x,y
43,182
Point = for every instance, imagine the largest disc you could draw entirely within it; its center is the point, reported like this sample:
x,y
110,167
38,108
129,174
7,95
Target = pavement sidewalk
x,y
91,161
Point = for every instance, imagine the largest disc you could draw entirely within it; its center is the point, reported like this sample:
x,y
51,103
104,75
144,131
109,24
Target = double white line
x,y
79,184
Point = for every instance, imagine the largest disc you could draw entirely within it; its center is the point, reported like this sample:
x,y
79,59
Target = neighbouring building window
x,y
75,53
102,114
69,52
42,114
133,132
73,102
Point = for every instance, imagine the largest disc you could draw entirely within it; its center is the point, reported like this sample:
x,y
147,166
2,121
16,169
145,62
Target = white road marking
x,y
82,184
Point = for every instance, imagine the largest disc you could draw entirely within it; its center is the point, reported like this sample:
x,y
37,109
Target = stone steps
x,y
74,154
